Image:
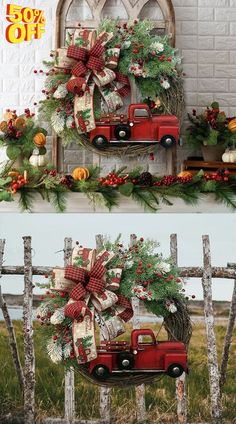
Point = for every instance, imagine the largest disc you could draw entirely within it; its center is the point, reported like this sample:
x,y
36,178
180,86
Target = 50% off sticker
x,y
26,23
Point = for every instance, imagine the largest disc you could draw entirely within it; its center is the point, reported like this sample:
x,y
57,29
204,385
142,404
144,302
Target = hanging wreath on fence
x,y
98,288
94,72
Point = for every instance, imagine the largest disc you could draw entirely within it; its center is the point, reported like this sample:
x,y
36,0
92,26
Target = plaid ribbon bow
x,y
92,295
93,65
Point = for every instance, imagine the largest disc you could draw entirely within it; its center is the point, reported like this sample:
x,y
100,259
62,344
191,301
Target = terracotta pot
x,y
213,153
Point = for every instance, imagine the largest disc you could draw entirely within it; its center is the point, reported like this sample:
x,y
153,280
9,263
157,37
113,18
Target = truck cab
x,y
140,126
143,355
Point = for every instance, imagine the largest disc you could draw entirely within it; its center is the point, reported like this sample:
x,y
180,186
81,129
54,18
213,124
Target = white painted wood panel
x,y
79,203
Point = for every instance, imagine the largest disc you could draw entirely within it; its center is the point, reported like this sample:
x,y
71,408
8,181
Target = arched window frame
x,y
133,9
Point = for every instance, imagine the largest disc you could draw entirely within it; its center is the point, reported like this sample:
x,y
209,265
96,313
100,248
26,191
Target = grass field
x,y
160,395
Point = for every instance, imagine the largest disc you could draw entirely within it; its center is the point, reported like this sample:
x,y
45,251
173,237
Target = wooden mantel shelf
x,y
79,203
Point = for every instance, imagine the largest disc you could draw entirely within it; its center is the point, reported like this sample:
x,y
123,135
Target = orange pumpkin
x,y
40,139
184,174
3,126
80,174
232,125
9,115
19,123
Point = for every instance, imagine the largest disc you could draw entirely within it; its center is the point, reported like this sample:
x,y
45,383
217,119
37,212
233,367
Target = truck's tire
x,y
175,370
168,141
122,132
100,141
125,361
101,372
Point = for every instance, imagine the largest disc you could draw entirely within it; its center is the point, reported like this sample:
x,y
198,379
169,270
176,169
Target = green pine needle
x,y
145,198
26,199
225,195
57,199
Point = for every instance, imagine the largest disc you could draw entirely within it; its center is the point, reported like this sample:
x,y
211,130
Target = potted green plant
x,y
20,135
209,130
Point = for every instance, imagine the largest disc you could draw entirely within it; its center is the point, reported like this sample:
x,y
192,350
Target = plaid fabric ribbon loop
x,y
77,53
76,310
95,285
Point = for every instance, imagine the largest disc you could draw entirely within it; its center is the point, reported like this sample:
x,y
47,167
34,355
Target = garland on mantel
x,y
144,188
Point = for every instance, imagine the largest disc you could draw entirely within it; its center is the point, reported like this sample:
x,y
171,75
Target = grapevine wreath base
x,y
97,289
94,74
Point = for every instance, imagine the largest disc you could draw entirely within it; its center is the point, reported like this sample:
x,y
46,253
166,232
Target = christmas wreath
x,y
94,72
97,288
144,188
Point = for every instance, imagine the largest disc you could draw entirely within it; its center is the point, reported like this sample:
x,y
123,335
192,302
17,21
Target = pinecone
x,y
145,179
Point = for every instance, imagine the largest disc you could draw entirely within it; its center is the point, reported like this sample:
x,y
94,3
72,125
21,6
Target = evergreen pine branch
x,y
145,199
26,199
225,195
58,199
110,196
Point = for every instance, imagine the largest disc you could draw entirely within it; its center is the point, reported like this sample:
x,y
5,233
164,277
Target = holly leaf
x,y
209,186
13,152
5,181
215,105
200,173
5,196
126,189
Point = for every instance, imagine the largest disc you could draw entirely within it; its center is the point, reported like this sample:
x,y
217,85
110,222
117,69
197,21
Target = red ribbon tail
x,y
128,313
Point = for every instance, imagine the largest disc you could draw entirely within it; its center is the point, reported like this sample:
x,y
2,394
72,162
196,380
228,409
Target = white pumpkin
x,y
37,160
229,156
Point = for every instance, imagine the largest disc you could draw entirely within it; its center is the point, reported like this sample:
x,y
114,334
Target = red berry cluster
x,y
123,28
212,115
68,181
18,183
112,180
186,179
167,180
220,175
137,47
28,114
52,172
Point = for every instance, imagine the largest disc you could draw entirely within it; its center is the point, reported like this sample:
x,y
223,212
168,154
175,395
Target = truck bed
x,y
113,346
112,119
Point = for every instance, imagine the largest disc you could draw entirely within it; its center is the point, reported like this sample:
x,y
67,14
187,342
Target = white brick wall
x,y
206,35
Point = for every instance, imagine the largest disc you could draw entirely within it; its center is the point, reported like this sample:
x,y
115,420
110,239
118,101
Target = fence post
x,y
211,339
105,392
69,374
9,327
29,366
139,390
180,383
228,339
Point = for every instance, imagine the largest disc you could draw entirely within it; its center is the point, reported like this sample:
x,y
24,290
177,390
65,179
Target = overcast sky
x,y
48,232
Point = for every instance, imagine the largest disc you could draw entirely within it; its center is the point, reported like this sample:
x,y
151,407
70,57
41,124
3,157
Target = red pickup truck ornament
x,y
140,126
118,357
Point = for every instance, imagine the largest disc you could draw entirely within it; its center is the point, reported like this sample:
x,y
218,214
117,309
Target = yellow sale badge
x,y
26,23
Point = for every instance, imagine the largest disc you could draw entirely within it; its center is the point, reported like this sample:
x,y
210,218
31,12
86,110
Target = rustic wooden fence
x,y
26,373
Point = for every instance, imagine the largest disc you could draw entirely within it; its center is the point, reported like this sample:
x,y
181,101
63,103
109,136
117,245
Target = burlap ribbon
x,y
92,295
92,65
